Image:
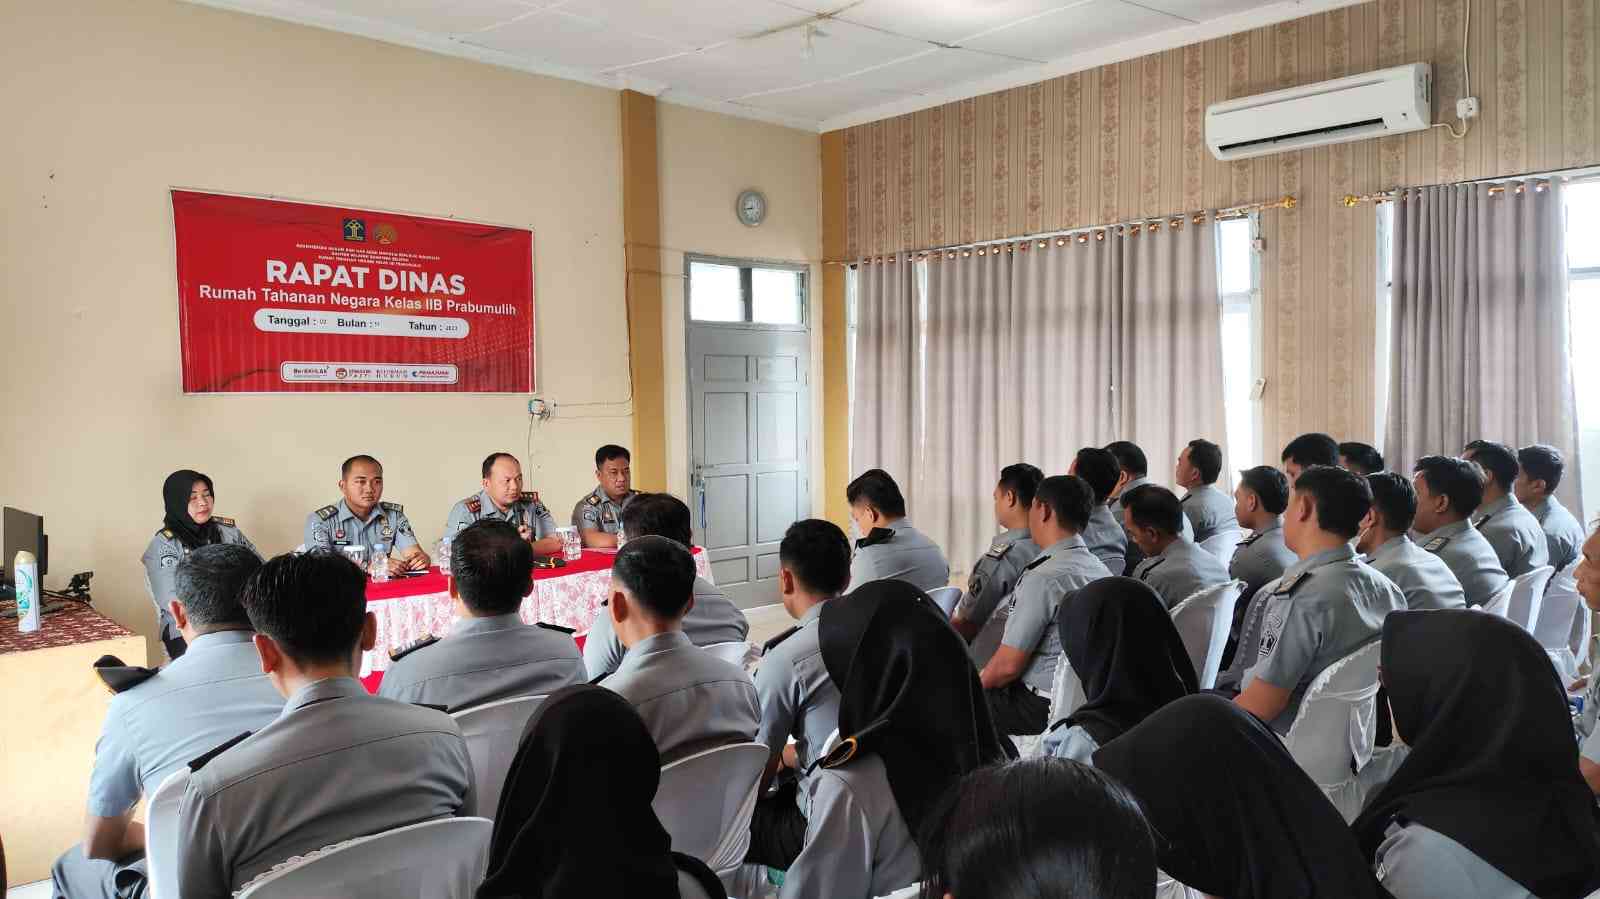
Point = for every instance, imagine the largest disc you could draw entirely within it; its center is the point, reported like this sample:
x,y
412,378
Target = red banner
x,y
296,297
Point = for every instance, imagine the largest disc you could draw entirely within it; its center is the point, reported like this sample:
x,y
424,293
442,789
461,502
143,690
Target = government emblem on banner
x,y
386,233
355,229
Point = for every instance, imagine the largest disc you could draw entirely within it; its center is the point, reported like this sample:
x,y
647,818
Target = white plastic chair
x,y
1336,725
1203,621
705,802
1500,602
1527,595
441,859
1557,621
161,835
946,598
1222,544
493,731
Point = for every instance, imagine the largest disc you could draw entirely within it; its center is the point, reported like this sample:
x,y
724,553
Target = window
x,y
1583,270
1385,295
723,290
1239,283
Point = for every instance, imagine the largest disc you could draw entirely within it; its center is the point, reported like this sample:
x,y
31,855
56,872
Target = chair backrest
x,y
946,598
1500,602
705,802
161,835
441,859
1554,625
1335,724
1203,621
493,731
1527,595
734,652
1222,544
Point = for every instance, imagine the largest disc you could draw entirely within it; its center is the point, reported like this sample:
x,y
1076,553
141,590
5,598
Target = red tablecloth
x,y
68,627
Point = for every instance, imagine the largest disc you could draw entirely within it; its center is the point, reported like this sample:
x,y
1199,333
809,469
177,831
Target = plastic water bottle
x,y
26,574
444,556
380,563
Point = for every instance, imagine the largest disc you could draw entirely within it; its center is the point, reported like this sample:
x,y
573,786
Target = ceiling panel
x,y
434,17
569,40
935,69
705,74
1201,10
823,100
1090,26
695,23
946,21
842,49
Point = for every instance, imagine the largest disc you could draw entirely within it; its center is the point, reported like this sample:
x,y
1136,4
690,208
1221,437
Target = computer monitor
x,y
24,530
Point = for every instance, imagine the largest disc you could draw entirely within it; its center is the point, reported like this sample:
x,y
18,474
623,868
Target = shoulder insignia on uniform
x,y
998,550
1436,544
1286,587
878,535
473,504
327,512
203,760
1154,564
393,507
167,533
773,643
1036,563
593,500
1186,498
401,652
225,522
1250,539
120,677
569,631
596,681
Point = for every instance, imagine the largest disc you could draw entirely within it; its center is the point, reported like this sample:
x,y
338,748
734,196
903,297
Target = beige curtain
x,y
883,430
1481,342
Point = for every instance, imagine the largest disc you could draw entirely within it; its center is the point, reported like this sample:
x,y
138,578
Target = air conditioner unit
x,y
1388,101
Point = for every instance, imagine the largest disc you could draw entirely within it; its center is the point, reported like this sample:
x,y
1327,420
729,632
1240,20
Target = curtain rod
x,y
1538,179
1150,223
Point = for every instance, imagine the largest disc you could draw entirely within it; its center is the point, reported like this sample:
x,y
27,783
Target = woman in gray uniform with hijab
x,y
187,523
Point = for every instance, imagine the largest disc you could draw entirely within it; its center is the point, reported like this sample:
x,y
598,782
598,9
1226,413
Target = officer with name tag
x,y
362,518
1208,509
1515,534
1424,578
1449,490
598,516
889,546
1326,606
1135,469
502,497
997,570
1104,535
1542,467
187,523
1176,567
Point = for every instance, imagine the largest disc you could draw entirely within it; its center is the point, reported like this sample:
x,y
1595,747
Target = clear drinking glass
x,y
358,555
571,544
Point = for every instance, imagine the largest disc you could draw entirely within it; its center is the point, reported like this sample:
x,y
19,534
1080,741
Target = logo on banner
x,y
340,374
355,229
386,233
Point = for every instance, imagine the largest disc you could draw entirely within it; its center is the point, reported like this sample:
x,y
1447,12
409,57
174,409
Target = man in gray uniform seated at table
x,y
1449,490
1174,566
1135,473
1424,578
690,700
159,720
889,546
337,764
362,518
1516,536
712,619
489,654
1104,535
1542,466
1209,509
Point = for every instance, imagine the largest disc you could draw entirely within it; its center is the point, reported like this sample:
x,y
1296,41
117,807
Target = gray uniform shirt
x,y
1563,534
1326,606
1106,539
1417,862
909,556
857,845
1261,557
1422,577
1136,555
1030,619
1588,734
161,558
994,576
1182,570
714,619
527,510
336,764
689,699
1470,558
485,659
797,697
598,512
336,525
1518,540
212,693
1210,511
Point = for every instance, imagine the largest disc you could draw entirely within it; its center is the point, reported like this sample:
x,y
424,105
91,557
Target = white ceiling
x,y
867,59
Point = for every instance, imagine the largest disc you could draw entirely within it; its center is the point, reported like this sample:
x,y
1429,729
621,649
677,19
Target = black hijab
x,y
1492,764
1236,817
907,692
580,786
1118,637
175,495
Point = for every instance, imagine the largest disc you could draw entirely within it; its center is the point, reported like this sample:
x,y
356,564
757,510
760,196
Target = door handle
x,y
697,478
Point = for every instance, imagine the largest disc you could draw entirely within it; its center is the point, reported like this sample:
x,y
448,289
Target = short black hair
x,y
344,470
1312,449
1496,459
1458,480
658,515
658,573
1021,479
489,460
1206,457
1543,462
876,487
1363,456
1395,499
1342,498
1269,484
1130,457
1154,506
312,605
608,452
492,566
818,554
1070,499
1100,468
209,580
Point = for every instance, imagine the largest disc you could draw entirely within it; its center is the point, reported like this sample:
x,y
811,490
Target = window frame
x,y
747,267
1252,300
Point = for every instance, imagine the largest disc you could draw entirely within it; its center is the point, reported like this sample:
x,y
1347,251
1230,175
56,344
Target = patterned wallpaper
x,y
1127,141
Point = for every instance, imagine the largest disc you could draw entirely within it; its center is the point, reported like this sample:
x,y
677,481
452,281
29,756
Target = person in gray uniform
x,y
1259,503
689,699
1174,565
1449,490
362,518
187,523
489,654
1135,474
1588,582
1308,450
1209,509
254,802
1360,458
798,699
159,720
713,618
1327,605
996,572
1542,467
1104,535
502,497
1018,679
1425,580
889,546
1515,534
598,516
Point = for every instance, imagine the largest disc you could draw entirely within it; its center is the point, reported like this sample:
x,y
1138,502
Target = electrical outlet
x,y
540,409
1467,108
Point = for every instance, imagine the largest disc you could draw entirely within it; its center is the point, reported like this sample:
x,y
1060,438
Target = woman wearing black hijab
x,y
913,721
575,820
1118,636
1235,816
186,524
1488,802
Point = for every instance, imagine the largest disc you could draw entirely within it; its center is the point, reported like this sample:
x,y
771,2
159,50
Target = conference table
x,y
411,608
